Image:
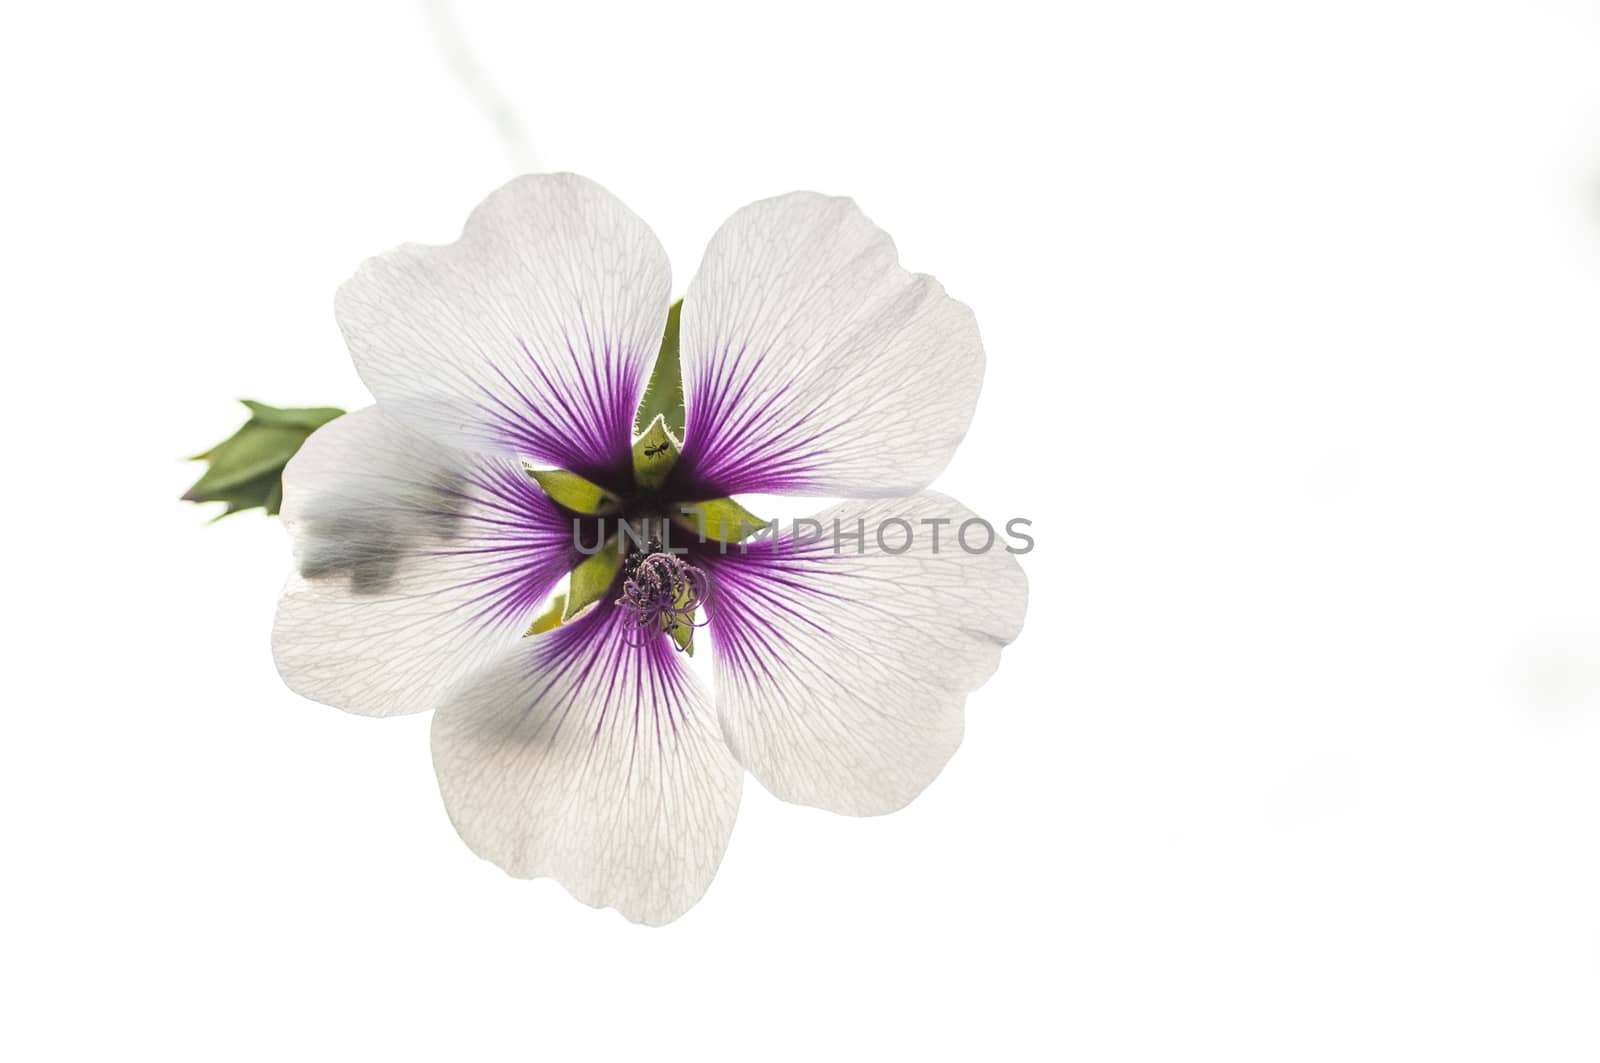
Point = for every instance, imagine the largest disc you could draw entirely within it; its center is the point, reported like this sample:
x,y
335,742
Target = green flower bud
x,y
246,469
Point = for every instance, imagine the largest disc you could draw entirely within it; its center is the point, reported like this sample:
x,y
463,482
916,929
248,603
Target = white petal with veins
x,y
813,363
414,564
841,678
529,336
583,758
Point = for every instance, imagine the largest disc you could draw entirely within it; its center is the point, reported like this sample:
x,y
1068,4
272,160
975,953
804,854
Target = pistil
x,y
661,592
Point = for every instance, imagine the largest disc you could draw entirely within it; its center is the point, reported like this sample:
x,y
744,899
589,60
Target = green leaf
x,y
309,418
664,396
245,471
573,491
721,520
550,618
654,454
592,579
250,495
247,454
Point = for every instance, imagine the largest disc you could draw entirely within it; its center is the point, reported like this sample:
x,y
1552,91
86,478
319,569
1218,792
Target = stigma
x,y
662,594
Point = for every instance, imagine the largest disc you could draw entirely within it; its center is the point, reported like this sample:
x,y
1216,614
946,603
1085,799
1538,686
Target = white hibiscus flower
x,y
588,752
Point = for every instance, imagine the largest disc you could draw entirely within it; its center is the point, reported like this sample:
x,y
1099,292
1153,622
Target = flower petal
x,y
530,336
414,564
586,759
813,363
840,677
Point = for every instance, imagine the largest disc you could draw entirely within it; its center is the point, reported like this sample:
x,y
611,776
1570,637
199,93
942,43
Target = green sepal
x,y
663,397
721,520
654,454
310,418
245,471
592,579
574,492
264,492
252,451
550,618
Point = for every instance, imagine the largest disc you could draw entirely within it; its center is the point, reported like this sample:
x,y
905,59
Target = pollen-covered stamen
x,y
662,592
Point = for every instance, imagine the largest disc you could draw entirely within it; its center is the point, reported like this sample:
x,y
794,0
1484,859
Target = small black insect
x,y
658,448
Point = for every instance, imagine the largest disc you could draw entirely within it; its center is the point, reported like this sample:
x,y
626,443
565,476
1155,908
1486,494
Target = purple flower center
x,y
661,592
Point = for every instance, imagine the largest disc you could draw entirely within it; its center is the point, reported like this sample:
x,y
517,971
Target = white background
x,y
1292,315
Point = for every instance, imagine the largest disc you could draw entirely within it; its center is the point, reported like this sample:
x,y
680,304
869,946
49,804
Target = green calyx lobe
x,y
592,579
721,520
655,452
245,471
550,618
574,492
663,397
683,635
